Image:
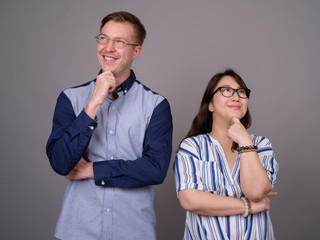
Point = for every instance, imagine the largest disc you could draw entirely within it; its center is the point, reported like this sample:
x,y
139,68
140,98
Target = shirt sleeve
x,y
266,156
152,167
187,166
70,136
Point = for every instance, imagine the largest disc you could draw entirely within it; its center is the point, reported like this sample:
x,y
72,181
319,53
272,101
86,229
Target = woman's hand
x,y
263,205
238,133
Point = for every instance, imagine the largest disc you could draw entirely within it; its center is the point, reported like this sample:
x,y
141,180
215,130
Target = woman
x,y
223,174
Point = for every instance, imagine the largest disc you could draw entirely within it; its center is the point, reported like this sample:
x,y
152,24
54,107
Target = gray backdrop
x,y
47,46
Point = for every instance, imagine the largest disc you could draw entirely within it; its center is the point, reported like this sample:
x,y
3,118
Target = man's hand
x,y
83,170
105,84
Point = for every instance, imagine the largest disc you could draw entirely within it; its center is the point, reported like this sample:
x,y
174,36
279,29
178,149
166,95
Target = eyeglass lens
x,y
228,92
104,40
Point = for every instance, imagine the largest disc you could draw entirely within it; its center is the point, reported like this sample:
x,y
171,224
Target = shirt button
x,y
110,132
107,209
91,127
113,107
102,183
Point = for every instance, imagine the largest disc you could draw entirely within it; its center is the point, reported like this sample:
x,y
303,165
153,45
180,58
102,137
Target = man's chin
x,y
105,69
112,69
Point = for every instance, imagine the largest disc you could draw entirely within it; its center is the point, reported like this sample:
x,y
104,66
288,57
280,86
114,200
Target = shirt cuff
x,y
85,120
102,173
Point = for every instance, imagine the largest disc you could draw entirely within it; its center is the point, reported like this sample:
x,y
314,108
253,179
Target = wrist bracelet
x,y
244,149
247,207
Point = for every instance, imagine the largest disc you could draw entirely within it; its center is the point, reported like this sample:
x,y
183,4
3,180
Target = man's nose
x,y
110,45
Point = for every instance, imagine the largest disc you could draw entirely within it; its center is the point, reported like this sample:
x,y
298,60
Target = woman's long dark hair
x,y
202,123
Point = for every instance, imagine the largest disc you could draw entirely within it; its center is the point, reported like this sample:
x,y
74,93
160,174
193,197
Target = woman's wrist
x,y
245,142
247,207
249,148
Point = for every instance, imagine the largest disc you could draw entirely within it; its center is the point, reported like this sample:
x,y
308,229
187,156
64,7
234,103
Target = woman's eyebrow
x,y
238,87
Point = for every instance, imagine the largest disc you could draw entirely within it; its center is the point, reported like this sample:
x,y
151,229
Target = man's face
x,y
118,60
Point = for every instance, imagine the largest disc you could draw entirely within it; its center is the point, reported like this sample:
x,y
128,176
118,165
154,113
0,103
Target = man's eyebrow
x,y
115,38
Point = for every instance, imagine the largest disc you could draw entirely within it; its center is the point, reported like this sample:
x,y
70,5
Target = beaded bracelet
x,y
244,149
247,207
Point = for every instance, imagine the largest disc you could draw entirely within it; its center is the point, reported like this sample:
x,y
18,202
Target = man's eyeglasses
x,y
229,91
102,39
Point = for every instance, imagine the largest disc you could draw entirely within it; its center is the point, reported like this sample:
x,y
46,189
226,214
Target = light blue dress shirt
x,y
130,146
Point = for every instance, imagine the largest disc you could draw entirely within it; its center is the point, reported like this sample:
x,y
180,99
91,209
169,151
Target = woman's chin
x,y
235,116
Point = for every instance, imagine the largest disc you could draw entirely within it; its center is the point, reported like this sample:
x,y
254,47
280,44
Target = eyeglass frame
x,y
247,90
114,41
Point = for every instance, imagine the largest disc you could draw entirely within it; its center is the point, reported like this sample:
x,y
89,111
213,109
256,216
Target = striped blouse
x,y
201,164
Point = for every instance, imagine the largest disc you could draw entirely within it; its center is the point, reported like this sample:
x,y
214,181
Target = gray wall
x,y
47,46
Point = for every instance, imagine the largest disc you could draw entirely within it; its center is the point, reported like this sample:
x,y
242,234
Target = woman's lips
x,y
234,107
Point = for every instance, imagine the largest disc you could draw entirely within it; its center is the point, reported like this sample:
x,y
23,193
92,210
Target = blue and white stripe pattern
x,y
201,164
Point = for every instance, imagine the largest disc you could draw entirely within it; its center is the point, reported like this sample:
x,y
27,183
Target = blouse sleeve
x,y
266,156
187,166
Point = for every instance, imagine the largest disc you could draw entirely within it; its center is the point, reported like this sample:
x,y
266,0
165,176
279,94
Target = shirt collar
x,y
127,84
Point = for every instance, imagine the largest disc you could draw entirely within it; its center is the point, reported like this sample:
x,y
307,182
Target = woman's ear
x,y
210,107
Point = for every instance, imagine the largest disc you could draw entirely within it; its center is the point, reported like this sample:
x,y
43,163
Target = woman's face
x,y
225,108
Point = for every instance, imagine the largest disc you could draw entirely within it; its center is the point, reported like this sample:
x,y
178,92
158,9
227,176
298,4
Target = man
x,y
112,138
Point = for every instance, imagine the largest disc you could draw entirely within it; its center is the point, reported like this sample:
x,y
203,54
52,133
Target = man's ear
x,y
136,52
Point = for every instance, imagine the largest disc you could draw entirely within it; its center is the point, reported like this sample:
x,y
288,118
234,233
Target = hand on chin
x,y
113,69
238,116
